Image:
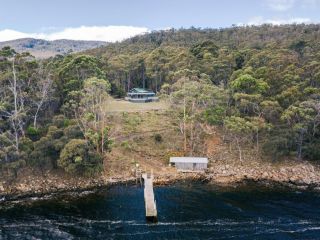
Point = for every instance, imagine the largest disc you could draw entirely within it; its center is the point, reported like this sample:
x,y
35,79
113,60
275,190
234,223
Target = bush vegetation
x,y
261,84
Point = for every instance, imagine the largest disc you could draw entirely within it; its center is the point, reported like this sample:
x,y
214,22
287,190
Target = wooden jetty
x,y
150,203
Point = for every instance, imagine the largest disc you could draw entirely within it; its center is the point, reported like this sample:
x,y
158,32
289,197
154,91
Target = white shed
x,y
189,164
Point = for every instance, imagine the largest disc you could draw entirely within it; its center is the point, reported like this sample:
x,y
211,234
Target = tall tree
x,y
191,96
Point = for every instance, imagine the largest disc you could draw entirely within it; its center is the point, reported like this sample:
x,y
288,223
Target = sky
x,y
115,20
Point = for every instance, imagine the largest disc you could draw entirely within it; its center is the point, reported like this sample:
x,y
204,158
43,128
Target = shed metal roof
x,y
188,160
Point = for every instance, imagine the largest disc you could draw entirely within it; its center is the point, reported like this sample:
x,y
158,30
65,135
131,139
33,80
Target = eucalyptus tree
x,y
191,95
14,93
91,112
117,71
73,71
247,92
156,65
239,131
42,89
304,120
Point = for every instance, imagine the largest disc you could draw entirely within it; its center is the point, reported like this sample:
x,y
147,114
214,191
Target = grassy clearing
x,y
146,137
120,105
150,137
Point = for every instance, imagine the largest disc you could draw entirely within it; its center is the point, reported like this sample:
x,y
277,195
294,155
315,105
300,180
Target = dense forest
x,y
260,84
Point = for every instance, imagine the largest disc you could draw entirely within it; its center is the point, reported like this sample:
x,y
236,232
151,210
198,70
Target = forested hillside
x,y
261,85
270,74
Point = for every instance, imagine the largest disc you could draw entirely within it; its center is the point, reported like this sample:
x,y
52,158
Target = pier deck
x,y
150,204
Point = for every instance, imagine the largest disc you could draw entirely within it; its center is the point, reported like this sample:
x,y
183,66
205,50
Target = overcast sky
x,y
113,20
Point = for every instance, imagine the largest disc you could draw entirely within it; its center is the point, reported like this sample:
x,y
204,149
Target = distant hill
x,y
43,49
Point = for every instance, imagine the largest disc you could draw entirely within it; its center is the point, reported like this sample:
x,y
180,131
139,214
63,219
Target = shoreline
x,y
222,179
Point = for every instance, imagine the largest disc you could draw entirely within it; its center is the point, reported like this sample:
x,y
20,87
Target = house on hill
x,y
141,95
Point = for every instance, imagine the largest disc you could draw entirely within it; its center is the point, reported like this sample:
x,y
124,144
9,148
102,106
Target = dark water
x,y
185,212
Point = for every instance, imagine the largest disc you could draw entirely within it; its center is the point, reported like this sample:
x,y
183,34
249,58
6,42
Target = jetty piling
x,y
138,175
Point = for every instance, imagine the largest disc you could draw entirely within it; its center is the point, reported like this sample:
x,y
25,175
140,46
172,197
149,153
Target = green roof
x,y
140,90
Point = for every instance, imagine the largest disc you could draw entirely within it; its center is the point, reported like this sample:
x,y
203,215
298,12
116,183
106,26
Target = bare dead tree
x,y
16,115
42,91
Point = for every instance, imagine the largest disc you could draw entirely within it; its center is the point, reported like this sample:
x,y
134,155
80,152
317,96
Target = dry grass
x,y
135,142
133,130
120,105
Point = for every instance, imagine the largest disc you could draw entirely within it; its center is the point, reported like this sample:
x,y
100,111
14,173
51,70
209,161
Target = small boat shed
x,y
189,164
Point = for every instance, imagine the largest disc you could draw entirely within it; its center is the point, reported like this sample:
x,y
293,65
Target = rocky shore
x,y
52,185
300,175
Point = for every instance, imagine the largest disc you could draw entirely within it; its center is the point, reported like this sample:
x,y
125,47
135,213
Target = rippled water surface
x,y
185,212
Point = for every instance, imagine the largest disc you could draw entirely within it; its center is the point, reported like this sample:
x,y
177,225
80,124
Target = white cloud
x,y
280,5
276,21
9,34
98,33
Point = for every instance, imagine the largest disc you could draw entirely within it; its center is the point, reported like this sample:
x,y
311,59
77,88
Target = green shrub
x,y
45,155
77,157
54,132
46,150
312,150
32,130
13,167
158,137
117,92
26,145
214,116
72,132
59,121
276,147
67,122
126,145
33,133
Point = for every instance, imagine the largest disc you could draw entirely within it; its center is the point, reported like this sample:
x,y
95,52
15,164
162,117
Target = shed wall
x,y
191,166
